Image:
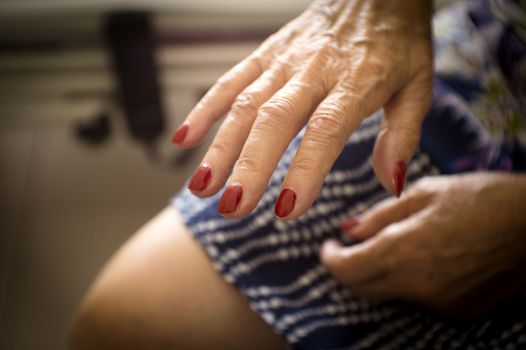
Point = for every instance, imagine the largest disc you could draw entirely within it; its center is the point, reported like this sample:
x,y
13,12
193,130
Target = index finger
x,y
328,130
217,101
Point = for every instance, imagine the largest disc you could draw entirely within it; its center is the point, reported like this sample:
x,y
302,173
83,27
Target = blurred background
x,y
90,92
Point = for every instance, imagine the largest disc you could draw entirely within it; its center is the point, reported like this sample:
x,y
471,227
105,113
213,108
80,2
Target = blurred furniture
x,y
73,59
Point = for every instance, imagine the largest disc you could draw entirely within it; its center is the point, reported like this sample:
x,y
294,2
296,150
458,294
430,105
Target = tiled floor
x,y
64,208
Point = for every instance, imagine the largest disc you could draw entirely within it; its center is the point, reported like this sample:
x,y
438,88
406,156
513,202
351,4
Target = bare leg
x,y
160,291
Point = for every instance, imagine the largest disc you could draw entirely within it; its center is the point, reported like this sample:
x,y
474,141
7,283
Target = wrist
x,y
506,195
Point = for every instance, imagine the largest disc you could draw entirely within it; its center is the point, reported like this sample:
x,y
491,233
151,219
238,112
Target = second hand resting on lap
x,y
453,243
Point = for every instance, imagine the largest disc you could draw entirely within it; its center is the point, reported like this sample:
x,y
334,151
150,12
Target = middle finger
x,y
217,163
278,121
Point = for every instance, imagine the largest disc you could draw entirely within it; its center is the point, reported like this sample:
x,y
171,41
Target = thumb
x,y
399,134
355,264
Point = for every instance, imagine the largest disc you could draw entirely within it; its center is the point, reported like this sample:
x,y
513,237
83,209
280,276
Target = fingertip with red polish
x,y
399,174
285,203
201,178
180,134
230,199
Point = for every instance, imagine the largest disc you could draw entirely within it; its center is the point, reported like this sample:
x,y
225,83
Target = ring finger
x,y
217,164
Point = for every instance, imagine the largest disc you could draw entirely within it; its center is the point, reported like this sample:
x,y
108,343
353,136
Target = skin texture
x,y
454,244
160,291
330,68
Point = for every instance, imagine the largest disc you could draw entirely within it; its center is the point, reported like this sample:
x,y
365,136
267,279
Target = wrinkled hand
x,y
330,68
456,244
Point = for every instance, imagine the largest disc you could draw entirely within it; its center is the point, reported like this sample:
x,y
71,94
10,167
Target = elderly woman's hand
x,y
330,68
456,244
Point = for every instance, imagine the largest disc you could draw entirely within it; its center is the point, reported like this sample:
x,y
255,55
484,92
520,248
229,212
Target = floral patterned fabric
x,y
480,88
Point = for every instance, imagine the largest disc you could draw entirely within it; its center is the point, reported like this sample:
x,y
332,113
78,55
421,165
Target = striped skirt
x,y
275,263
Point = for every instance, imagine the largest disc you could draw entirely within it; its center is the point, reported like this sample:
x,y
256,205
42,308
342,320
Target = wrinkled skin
x,y
330,68
455,244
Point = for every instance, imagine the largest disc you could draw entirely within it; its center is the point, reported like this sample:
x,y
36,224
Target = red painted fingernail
x,y
230,199
399,177
180,133
350,223
285,203
201,178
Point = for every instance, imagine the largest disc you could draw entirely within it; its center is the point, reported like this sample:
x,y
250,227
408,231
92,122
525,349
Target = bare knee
x,y
161,292
92,327
103,321
134,303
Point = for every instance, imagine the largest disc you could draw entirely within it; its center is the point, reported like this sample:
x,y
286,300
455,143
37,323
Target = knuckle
x,y
282,107
265,130
377,64
327,125
373,72
246,102
219,148
252,62
224,83
234,122
249,163
256,59
305,165
274,117
280,72
274,75
285,63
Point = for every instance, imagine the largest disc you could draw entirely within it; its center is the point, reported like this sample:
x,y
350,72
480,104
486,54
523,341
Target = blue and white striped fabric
x,y
276,265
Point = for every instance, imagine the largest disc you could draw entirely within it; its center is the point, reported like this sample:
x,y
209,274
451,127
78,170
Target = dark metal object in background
x,y
95,131
131,42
